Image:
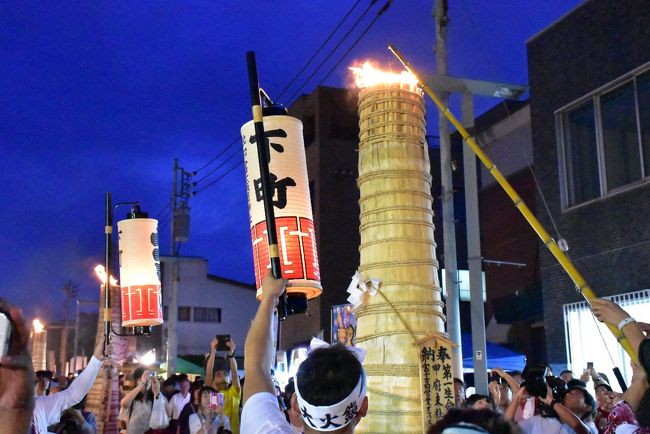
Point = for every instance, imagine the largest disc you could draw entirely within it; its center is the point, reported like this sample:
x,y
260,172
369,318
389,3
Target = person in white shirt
x,y
330,384
574,413
48,409
178,401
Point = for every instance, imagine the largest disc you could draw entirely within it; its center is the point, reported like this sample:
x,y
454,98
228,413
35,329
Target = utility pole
x,y
180,225
447,196
474,260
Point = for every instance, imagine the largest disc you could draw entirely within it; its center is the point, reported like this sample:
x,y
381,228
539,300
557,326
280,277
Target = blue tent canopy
x,y
497,356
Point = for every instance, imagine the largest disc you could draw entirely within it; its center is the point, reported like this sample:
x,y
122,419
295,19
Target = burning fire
x,y
367,75
38,326
101,274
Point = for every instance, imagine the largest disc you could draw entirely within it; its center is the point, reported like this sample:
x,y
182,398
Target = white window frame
x,y
583,336
560,136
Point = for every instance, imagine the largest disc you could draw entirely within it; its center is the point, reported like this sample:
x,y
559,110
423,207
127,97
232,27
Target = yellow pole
x,y
562,258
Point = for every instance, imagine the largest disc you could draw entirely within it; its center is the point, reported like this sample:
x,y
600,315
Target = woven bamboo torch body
x,y
398,247
103,398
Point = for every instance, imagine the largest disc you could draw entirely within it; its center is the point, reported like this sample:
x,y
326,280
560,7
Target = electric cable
x,y
381,11
237,151
215,157
320,65
311,59
239,162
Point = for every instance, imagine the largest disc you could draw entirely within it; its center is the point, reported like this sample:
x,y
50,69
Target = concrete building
x,y
590,109
207,306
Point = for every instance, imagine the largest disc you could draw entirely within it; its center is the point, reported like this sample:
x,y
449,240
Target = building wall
x,y
196,288
331,138
596,43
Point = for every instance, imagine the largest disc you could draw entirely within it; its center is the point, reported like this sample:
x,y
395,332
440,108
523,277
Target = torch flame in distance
x,y
101,274
38,326
368,75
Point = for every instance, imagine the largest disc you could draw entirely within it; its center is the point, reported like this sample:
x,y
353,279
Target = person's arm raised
x,y
258,350
209,368
16,377
233,363
566,416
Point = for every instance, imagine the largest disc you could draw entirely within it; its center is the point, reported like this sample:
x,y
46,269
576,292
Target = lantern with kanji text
x,y
139,270
291,204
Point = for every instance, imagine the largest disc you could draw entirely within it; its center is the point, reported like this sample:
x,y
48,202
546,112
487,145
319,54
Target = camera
x,y
494,376
536,379
5,333
221,346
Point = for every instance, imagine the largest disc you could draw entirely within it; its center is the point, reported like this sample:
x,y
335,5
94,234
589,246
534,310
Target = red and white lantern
x,y
291,201
140,272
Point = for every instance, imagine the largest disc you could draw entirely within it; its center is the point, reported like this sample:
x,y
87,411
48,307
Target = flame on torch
x,y
38,326
368,75
101,274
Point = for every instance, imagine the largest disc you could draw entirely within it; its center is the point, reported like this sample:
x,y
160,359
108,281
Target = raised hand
x,y
16,375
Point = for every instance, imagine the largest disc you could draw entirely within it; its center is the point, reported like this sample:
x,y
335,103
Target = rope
x,y
382,392
365,226
383,309
383,174
423,194
360,339
392,370
399,263
397,239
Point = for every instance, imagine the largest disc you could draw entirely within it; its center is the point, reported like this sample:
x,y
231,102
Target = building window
x,y
184,313
207,314
606,140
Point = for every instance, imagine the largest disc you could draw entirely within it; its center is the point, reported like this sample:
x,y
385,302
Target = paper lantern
x,y
139,271
292,206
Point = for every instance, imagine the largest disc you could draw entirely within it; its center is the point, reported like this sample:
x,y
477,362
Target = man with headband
x,y
330,384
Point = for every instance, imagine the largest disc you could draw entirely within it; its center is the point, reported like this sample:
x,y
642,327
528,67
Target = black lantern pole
x,y
108,252
267,191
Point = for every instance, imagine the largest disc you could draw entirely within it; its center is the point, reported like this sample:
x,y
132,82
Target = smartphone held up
x,y
5,333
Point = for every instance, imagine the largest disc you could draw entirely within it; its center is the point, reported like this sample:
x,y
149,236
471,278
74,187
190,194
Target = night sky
x,y
101,96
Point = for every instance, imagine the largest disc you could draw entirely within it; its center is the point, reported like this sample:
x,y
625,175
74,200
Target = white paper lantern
x,y
140,272
292,205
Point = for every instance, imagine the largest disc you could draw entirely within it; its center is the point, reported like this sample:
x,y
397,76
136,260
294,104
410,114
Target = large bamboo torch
x,y
397,247
580,283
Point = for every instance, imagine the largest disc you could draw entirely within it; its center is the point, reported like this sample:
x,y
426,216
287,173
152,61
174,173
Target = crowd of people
x,y
327,394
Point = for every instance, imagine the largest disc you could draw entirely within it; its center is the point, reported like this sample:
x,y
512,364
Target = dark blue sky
x,y
102,96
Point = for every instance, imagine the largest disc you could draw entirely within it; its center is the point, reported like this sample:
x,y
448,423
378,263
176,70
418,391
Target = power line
x,y
220,165
336,29
320,65
168,212
220,177
354,44
237,152
216,157
162,210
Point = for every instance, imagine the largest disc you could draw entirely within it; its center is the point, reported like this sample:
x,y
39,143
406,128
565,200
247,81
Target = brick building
x,y
590,109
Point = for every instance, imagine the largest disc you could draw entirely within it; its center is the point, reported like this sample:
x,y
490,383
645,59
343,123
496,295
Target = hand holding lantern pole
x,y
267,192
